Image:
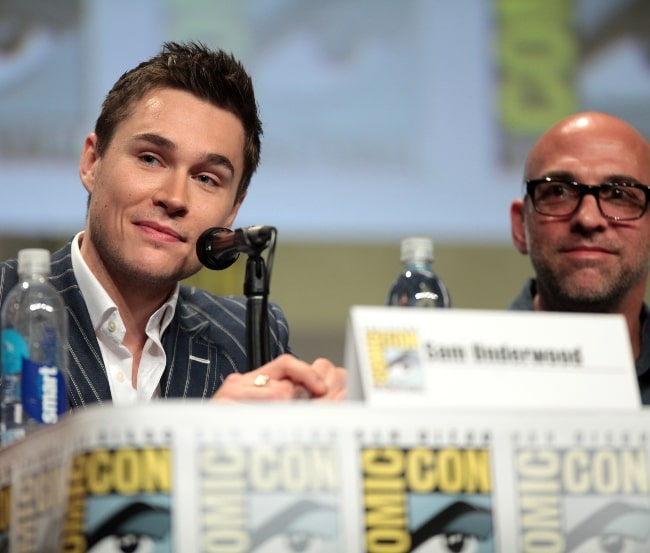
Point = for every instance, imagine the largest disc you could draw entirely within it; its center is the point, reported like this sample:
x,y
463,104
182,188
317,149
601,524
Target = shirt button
x,y
120,376
112,326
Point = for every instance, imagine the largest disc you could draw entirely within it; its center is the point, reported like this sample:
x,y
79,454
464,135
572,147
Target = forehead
x,y
193,130
183,114
592,154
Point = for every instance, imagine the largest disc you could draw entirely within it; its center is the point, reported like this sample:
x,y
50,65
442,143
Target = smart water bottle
x,y
418,285
33,322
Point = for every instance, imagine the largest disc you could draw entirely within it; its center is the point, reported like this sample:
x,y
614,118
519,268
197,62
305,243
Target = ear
x,y
518,225
88,162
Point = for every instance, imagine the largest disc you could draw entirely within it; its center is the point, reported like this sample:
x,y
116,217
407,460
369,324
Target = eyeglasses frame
x,y
587,189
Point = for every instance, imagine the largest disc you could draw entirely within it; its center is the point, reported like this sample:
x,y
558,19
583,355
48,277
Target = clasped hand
x,y
286,378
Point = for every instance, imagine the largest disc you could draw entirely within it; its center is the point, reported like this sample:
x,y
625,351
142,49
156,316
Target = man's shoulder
x,y
223,319
203,300
8,276
524,300
206,304
9,265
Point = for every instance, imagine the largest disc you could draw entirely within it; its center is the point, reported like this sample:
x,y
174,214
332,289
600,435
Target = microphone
x,y
219,247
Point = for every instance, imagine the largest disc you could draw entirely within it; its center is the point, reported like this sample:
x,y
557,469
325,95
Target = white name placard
x,y
464,358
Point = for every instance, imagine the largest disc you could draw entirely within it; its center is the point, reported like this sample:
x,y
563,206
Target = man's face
x,y
586,262
170,172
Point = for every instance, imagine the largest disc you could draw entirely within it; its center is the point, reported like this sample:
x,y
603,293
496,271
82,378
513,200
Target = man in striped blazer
x,y
173,152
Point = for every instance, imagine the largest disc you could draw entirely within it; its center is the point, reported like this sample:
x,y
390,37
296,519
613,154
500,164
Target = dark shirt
x,y
524,302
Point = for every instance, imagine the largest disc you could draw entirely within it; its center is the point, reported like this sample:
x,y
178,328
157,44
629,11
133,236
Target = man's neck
x,y
630,309
135,300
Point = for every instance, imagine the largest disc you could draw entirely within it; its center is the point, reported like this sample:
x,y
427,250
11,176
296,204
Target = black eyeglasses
x,y
560,197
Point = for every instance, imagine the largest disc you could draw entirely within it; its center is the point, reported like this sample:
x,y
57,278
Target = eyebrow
x,y
162,142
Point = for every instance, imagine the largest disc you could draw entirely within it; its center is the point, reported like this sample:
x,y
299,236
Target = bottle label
x,y
43,392
14,349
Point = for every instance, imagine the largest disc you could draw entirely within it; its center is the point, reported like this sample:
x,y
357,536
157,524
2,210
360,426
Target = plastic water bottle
x,y
418,285
34,361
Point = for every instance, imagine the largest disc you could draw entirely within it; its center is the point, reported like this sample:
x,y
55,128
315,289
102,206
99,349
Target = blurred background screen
x,y
382,118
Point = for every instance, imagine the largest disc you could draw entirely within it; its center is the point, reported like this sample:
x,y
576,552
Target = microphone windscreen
x,y
214,258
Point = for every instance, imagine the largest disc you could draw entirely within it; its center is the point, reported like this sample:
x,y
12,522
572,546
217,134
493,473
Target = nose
x,y
172,194
588,214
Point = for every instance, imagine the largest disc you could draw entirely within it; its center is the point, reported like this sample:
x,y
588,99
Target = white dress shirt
x,y
110,332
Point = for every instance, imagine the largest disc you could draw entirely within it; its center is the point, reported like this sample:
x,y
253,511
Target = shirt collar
x,y
99,304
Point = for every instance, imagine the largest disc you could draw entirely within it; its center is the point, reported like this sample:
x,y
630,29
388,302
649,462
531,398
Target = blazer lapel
x,y
191,369
88,382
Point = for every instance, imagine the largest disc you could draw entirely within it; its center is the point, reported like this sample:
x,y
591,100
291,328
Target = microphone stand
x,y
256,290
218,248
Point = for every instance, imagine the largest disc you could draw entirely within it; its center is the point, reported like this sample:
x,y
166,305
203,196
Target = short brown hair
x,y
211,75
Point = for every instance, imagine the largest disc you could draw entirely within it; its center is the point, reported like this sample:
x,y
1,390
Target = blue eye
x,y
149,159
206,180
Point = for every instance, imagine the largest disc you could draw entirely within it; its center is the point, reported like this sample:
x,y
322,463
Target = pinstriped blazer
x,y
204,343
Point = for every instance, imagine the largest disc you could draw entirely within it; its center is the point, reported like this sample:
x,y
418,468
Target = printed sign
x,y
423,499
272,498
330,478
119,500
5,515
489,359
583,499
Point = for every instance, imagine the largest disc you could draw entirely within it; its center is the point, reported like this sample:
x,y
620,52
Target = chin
x,y
159,273
587,301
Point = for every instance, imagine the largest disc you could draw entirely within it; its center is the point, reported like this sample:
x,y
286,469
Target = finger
x,y
300,392
323,366
336,384
298,372
254,386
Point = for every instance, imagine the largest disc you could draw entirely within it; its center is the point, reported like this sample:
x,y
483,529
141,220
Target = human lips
x,y
160,232
586,250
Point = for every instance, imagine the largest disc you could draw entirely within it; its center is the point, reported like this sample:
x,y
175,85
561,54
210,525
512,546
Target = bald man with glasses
x,y
584,222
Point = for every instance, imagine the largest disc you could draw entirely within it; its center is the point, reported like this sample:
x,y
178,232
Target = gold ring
x,y
261,380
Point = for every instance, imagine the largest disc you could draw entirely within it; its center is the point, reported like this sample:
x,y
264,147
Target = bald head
x,y
585,260
586,137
